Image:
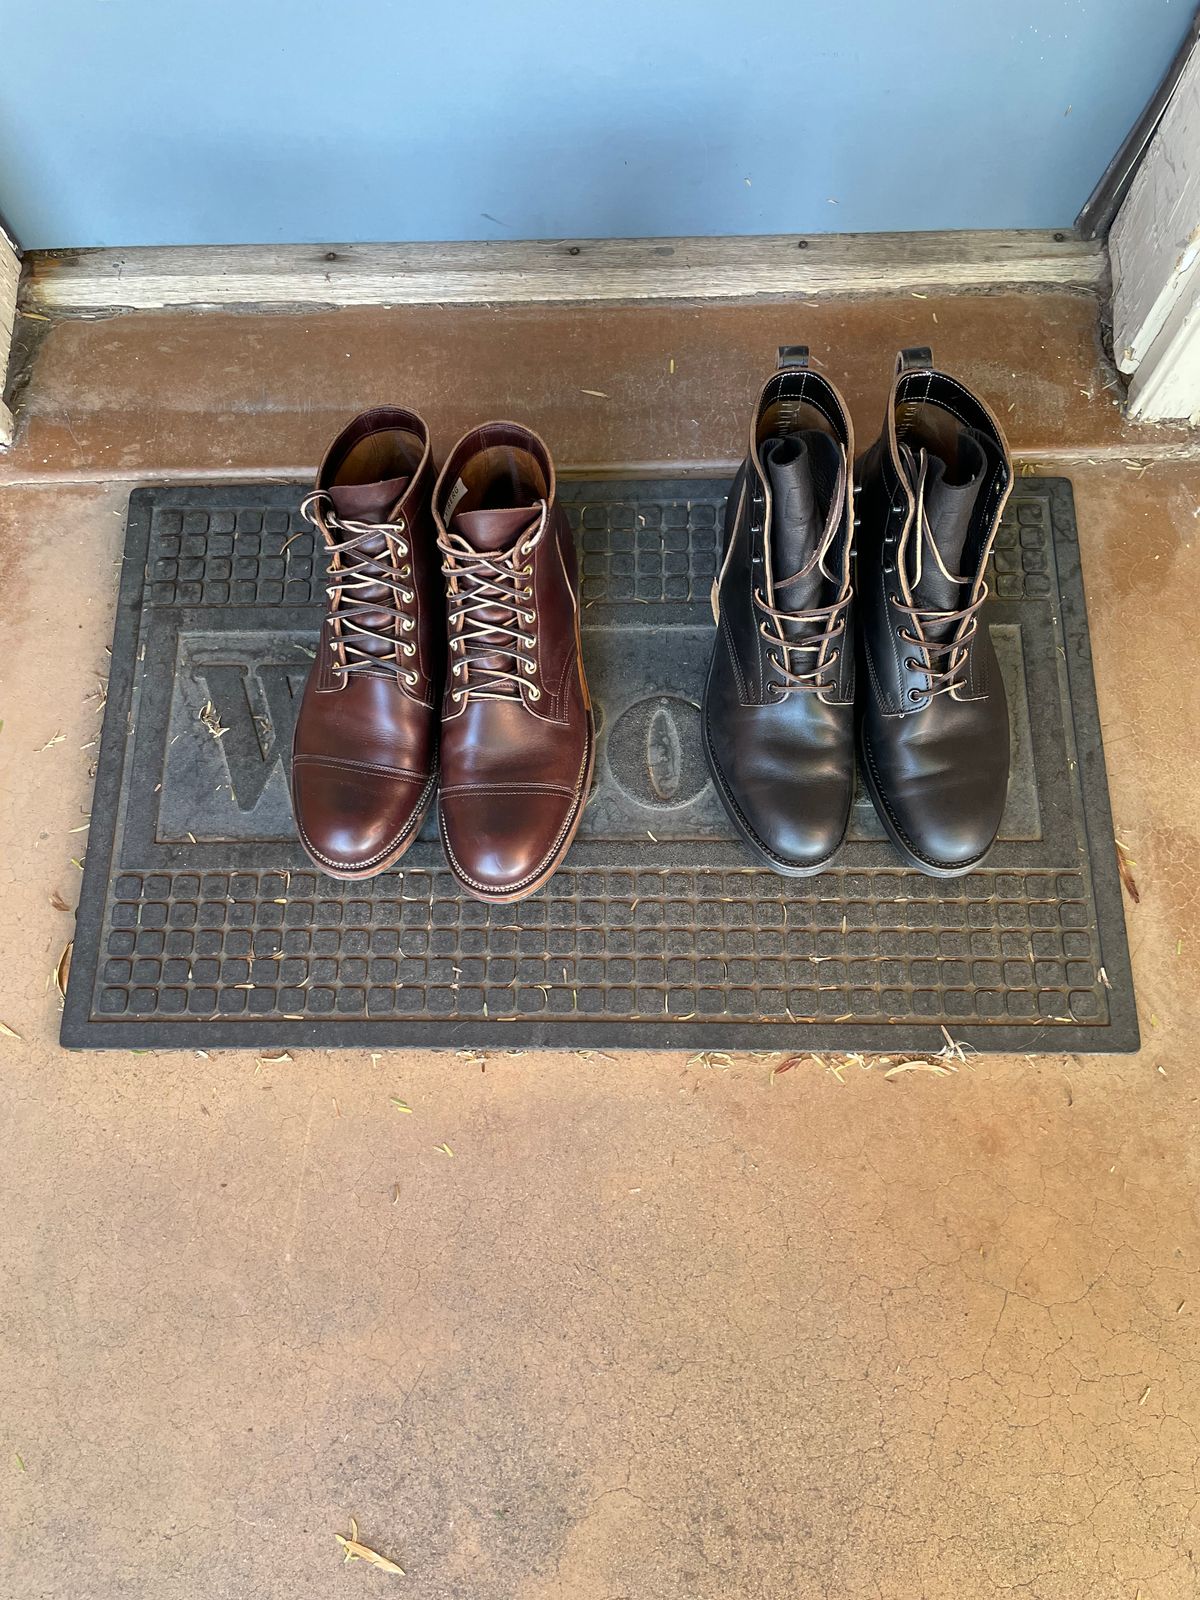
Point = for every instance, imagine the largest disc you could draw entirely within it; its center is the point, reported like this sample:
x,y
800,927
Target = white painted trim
x,y
549,270
10,275
1166,385
1155,251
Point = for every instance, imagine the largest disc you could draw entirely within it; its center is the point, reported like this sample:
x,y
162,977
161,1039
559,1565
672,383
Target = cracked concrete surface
x,y
654,1331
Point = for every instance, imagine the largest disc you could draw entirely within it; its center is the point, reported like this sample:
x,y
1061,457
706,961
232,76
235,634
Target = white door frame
x,y
1154,247
10,274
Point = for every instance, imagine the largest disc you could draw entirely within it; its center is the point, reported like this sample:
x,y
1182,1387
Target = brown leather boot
x,y
364,757
517,738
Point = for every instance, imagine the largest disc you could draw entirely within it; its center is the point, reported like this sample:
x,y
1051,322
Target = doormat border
x,y
82,1029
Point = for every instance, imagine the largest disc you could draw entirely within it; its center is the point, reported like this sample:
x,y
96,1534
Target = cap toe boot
x,y
933,716
364,755
517,739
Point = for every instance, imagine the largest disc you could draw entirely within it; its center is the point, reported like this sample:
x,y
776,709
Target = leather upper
x,y
516,735
934,717
365,747
778,704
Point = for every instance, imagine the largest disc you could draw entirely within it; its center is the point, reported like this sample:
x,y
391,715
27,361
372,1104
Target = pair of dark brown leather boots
x,y
449,659
848,605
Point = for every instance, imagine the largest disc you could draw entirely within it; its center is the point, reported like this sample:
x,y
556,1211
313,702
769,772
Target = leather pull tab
x,y
918,358
792,355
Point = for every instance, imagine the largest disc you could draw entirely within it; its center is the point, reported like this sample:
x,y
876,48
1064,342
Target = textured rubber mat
x,y
201,922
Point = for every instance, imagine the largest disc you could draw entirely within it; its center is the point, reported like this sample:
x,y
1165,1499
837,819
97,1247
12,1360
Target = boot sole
x,y
922,864
777,864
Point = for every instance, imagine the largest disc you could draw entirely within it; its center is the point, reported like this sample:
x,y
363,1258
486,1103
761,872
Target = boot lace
x,y
828,623
357,576
789,657
954,629
492,616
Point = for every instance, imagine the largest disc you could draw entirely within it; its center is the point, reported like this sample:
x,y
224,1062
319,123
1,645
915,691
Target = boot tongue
x,y
949,508
369,502
495,530
803,472
491,532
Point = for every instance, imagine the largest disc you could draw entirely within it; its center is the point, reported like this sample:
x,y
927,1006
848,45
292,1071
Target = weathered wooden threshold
x,y
555,270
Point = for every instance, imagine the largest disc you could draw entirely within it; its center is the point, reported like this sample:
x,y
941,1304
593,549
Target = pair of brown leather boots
x,y
449,659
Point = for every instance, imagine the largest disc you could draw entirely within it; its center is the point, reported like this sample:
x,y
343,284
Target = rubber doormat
x,y
202,923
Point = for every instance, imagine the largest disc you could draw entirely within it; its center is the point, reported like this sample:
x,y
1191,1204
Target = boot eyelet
x,y
458,666
530,666
534,692
528,616
528,571
408,624
410,649
889,567
410,679
912,663
914,694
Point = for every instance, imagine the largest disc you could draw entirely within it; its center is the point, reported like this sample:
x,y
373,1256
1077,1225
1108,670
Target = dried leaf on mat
x,y
62,969
357,1551
57,901
721,1060
938,1068
785,1066
211,720
7,1032
1123,865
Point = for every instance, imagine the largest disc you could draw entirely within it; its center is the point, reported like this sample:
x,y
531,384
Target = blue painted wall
x,y
222,121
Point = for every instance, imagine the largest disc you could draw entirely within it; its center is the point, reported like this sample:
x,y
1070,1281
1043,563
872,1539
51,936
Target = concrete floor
x,y
655,1331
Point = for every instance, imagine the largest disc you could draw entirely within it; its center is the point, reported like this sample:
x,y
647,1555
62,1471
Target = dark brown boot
x,y
779,702
933,718
364,758
517,741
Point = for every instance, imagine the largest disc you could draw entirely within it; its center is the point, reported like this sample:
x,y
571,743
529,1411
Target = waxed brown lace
x,y
960,626
828,622
356,569
491,655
